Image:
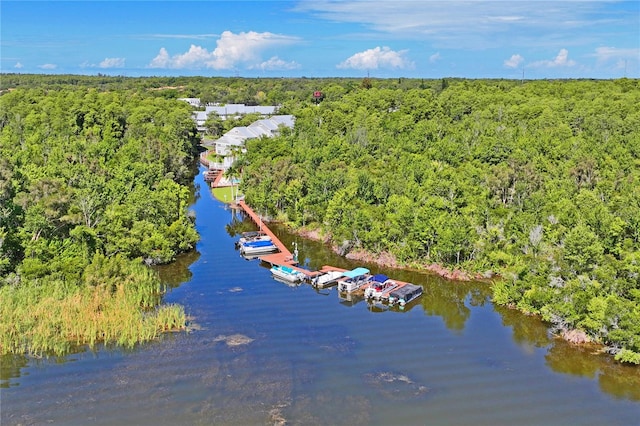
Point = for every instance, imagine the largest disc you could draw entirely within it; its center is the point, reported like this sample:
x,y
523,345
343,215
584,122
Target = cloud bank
x,y
112,63
378,57
472,24
514,61
231,50
275,63
561,60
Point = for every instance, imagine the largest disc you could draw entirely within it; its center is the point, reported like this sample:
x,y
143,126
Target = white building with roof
x,y
194,102
237,137
231,111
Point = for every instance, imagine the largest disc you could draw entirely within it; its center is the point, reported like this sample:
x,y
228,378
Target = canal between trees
x,y
262,352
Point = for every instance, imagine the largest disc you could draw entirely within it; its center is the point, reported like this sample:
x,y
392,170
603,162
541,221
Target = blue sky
x,y
319,38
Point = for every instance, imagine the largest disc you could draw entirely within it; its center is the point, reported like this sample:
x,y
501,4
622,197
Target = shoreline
x,y
575,337
386,259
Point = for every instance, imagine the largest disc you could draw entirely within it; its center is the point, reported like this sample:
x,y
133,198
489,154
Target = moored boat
x,y
258,247
287,273
405,294
327,279
353,280
379,286
251,236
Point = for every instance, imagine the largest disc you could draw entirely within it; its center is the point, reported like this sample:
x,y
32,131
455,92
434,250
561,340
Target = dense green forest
x,y
537,181
94,184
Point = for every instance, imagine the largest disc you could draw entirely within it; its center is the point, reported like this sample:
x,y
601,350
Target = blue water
x,y
311,358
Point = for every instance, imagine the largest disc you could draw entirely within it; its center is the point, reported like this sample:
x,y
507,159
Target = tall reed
x,y
51,317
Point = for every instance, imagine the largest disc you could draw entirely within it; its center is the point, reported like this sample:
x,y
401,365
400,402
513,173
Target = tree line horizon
x,y
536,180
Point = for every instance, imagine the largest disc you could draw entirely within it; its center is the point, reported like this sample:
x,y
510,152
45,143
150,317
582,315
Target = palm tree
x,y
232,175
239,161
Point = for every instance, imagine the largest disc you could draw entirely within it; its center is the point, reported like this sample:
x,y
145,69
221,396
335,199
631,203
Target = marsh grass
x,y
52,318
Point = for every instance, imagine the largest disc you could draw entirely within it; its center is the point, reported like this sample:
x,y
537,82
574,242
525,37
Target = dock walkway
x,y
258,221
284,257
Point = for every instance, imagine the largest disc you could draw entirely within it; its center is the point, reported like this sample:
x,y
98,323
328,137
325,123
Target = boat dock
x,y
385,296
329,268
284,257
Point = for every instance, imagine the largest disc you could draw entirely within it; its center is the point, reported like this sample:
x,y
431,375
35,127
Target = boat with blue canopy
x,y
354,279
378,286
258,247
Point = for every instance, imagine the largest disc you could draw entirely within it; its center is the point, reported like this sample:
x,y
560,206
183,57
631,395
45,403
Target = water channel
x,y
262,352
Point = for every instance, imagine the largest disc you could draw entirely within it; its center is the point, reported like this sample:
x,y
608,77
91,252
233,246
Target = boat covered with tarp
x,y
405,294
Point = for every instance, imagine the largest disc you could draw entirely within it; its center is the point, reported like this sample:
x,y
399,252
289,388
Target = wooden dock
x,y
284,252
284,257
329,268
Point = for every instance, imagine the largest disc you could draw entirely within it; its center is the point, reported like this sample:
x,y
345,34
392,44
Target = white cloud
x,y
514,61
112,63
606,54
193,58
18,65
561,60
48,66
377,58
434,58
472,24
162,60
231,50
275,63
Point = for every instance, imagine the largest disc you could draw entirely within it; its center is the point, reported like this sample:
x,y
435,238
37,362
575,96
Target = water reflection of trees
x,y
10,367
176,273
618,380
621,381
449,300
527,330
238,224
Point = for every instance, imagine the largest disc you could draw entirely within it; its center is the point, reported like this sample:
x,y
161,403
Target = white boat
x,y
327,279
258,247
287,274
252,236
378,286
404,294
353,279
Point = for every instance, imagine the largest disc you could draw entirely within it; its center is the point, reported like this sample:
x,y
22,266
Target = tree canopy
x,y
88,175
536,181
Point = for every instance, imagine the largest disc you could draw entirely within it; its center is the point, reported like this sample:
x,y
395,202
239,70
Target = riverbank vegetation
x,y
537,181
93,188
